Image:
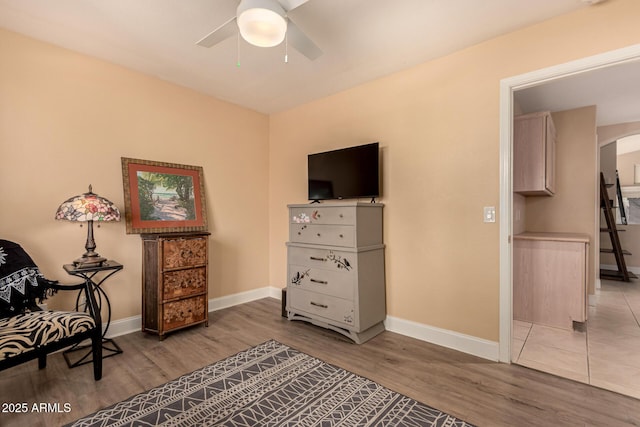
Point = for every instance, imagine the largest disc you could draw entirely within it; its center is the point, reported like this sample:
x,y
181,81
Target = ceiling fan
x,y
265,23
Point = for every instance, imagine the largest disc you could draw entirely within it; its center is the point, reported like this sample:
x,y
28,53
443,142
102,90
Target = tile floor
x,y
605,352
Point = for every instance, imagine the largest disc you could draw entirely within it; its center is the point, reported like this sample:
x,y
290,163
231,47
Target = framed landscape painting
x,y
163,197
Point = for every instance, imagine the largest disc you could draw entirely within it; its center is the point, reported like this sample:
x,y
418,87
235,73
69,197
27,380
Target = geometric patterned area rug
x,y
270,385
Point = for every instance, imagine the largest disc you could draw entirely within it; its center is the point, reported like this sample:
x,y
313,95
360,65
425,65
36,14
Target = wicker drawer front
x,y
325,215
335,310
183,312
181,283
179,253
329,235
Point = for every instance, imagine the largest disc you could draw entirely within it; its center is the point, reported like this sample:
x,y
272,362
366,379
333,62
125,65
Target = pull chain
x,y
238,51
286,47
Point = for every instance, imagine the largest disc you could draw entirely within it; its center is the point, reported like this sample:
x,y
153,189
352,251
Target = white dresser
x,y
336,276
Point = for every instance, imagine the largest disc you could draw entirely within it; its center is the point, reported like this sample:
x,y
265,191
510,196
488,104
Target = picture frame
x,y
163,197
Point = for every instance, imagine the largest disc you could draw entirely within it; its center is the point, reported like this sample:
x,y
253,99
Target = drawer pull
x,y
322,282
318,234
341,236
315,258
319,305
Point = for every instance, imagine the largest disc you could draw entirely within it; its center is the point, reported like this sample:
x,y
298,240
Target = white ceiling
x,y
615,90
362,40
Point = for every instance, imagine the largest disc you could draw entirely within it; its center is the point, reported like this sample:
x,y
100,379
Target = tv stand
x,y
314,201
336,276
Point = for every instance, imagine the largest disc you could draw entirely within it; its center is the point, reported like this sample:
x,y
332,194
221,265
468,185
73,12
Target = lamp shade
x,y
88,207
262,22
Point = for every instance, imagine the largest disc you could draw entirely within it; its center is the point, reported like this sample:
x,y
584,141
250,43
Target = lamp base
x,y
89,261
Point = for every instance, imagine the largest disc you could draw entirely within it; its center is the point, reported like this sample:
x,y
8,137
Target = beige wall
x,y
65,121
438,124
625,164
573,207
630,238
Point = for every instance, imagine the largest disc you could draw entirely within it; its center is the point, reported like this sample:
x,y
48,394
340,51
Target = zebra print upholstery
x,y
33,330
26,332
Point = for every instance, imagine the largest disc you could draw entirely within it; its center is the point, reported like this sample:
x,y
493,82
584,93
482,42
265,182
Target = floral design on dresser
x,y
297,278
339,261
304,218
301,218
348,318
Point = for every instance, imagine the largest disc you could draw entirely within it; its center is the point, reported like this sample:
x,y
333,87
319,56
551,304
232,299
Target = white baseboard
x,y
442,337
243,297
134,323
445,338
124,326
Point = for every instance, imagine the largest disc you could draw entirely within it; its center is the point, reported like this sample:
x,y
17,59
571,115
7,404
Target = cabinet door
x,y
549,282
550,153
534,154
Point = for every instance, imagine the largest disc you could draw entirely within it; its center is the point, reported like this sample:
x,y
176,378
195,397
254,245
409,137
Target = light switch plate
x,y
489,214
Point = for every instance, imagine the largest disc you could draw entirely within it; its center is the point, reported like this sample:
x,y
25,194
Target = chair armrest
x,y
64,287
89,293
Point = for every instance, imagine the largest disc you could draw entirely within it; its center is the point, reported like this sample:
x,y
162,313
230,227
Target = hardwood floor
x,y
479,391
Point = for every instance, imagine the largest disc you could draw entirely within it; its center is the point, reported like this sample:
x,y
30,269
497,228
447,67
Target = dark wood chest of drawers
x,y
174,281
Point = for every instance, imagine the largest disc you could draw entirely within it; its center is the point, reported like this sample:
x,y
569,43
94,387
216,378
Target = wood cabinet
x,y
550,274
336,276
534,154
174,281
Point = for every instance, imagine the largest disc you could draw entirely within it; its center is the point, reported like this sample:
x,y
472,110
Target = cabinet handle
x,y
341,236
315,258
322,282
341,215
319,305
318,234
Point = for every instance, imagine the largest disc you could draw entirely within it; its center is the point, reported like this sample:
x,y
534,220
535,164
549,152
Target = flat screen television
x,y
348,173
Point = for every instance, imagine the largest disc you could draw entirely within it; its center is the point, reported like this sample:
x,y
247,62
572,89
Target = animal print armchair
x,y
26,331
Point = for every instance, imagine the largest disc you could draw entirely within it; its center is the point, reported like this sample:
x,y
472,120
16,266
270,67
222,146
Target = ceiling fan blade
x,y
289,5
221,33
302,43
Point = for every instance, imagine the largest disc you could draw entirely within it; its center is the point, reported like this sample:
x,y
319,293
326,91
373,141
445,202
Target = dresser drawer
x,y
328,282
325,215
326,259
329,235
178,253
182,283
184,312
335,310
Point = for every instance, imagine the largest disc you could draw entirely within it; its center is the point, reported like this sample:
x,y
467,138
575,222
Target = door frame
x,y
507,87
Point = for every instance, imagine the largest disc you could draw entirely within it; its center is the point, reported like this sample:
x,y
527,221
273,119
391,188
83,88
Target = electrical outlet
x,y
489,214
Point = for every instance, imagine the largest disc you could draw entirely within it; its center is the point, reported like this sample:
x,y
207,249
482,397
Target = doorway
x,y
558,75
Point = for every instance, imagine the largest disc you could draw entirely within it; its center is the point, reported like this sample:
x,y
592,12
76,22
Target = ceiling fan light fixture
x,y
262,22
